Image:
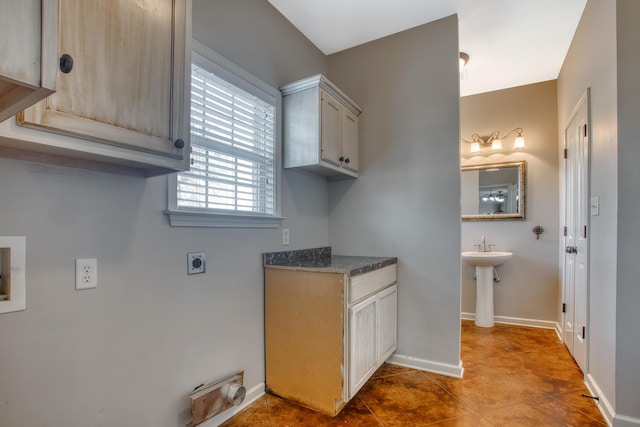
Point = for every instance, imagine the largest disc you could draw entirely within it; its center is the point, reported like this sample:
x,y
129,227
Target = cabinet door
x,y
20,43
349,145
28,46
126,86
362,347
387,323
330,129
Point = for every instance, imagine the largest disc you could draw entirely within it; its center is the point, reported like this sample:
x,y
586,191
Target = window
x,y
234,175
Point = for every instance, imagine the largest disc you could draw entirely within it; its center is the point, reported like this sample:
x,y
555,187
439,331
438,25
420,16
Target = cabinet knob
x,y
341,158
179,143
66,63
346,160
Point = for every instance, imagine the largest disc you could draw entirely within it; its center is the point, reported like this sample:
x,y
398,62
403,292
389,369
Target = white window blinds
x,y
233,140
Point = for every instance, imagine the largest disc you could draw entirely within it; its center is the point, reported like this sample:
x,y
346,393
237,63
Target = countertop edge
x,y
351,272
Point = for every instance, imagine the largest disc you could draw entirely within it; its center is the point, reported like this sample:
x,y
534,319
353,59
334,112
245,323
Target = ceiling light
x,y
463,58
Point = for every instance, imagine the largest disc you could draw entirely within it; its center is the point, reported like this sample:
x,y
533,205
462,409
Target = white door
x,y
576,234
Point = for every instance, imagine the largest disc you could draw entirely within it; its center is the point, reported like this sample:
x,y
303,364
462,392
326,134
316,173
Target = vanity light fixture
x,y
498,196
494,141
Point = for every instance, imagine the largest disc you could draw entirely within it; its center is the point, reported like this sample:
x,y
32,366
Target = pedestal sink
x,y
484,263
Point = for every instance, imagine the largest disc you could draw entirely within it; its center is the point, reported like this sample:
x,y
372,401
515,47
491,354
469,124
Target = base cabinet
x,y
362,345
326,333
372,325
387,322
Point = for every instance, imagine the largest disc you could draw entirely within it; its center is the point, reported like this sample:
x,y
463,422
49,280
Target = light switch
x,y
595,206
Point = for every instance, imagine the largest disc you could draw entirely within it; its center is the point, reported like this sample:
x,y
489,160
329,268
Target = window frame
x,y
180,216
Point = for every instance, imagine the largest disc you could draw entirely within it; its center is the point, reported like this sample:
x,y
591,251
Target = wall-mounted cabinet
x,y
29,53
122,95
320,128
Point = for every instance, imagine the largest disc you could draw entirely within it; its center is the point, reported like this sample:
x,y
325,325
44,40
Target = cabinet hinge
x,y
564,307
584,332
565,153
565,231
585,131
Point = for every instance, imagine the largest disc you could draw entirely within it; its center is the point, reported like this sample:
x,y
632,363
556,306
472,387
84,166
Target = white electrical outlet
x,y
285,237
195,262
86,273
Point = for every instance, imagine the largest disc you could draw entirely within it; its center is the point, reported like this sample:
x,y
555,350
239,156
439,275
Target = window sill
x,y
220,220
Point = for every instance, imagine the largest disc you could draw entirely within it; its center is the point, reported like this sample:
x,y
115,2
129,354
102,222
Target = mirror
x,y
493,191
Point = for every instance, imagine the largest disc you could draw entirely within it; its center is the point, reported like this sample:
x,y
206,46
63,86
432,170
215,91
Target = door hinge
x,y
585,130
564,307
565,153
584,335
565,231
585,232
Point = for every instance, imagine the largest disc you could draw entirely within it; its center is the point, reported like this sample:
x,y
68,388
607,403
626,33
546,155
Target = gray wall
x,y
128,352
406,202
628,291
591,63
602,57
530,280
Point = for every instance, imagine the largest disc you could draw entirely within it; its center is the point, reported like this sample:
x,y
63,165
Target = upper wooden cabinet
x,y
28,46
122,93
320,128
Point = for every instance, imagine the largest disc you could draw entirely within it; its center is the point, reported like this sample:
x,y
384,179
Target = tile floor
x,y
514,376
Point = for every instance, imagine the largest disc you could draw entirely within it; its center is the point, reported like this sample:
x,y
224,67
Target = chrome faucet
x,y
482,246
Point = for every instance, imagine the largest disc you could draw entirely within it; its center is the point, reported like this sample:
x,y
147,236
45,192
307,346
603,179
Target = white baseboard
x,y
603,404
559,332
613,419
520,321
455,371
624,421
253,394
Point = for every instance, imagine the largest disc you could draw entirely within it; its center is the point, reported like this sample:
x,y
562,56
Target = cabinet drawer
x,y
369,283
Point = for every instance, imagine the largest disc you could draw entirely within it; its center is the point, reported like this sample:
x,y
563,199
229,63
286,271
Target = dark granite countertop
x,y
321,260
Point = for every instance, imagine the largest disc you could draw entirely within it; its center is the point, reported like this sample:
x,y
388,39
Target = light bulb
x,y
475,147
496,144
518,142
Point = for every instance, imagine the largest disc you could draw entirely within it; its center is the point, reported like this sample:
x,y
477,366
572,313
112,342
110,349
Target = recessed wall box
x,y
12,273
